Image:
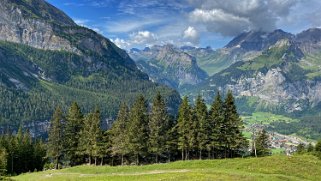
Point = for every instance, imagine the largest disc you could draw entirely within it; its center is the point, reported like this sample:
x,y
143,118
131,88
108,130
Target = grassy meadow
x,y
277,167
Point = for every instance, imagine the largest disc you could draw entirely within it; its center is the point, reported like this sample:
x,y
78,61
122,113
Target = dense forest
x,y
143,133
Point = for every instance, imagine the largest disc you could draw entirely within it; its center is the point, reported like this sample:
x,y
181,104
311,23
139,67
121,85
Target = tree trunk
x,y
89,160
200,154
102,161
182,154
95,161
156,158
137,159
57,162
122,160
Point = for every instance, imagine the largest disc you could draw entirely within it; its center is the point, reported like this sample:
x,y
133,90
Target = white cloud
x,y
143,37
137,39
191,35
121,43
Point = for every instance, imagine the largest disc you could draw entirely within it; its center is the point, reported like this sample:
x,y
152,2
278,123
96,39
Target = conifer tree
x,y
138,128
74,122
90,136
262,144
216,121
300,148
158,127
118,133
235,140
203,127
183,125
55,137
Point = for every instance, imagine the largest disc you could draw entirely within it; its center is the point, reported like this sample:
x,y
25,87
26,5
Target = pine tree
x,y
233,124
138,128
300,148
55,137
203,127
183,125
74,122
118,133
90,136
217,131
158,127
262,143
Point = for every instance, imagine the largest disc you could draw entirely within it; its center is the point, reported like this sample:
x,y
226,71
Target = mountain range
x,y
275,71
48,60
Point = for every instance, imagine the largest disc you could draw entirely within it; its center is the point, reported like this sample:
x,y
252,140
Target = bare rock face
x,y
169,65
19,28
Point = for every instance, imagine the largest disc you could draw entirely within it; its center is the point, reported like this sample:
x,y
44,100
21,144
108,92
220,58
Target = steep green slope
x,y
47,60
266,168
34,81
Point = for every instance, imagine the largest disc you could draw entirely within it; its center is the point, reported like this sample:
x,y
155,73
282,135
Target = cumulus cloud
x,y
140,38
191,35
231,17
121,43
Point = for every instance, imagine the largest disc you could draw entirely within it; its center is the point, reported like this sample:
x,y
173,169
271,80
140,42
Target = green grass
x,y
266,118
267,168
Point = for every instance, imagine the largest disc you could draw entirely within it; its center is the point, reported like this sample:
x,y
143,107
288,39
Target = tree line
x,y
141,134
147,133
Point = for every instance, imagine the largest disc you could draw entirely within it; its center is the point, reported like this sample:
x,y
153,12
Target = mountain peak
x,y
36,9
258,40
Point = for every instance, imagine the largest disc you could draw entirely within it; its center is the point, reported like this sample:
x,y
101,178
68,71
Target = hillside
x,y
48,60
266,168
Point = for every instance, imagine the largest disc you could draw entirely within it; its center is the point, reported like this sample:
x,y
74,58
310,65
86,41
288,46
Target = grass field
x,y
276,167
266,118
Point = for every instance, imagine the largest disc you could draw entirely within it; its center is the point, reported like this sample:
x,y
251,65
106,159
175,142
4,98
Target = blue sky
x,y
201,23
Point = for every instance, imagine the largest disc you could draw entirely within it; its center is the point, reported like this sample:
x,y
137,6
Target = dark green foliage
x,y
317,147
22,153
183,127
203,129
300,148
216,121
262,144
119,140
158,127
138,129
232,128
74,124
62,78
55,137
90,135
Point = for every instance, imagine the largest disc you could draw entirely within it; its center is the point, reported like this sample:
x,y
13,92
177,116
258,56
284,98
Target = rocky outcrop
x,y
169,65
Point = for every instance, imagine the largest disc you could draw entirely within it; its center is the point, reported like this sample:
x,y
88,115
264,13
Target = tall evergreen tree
x,y
138,128
90,136
55,137
74,122
235,140
183,125
119,134
158,127
217,131
203,127
262,143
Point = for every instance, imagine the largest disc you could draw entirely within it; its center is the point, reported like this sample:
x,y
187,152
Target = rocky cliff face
x,y
169,65
283,78
16,25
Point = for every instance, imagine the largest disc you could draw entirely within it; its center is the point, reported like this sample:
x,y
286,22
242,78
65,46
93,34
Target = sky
x,y
200,23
